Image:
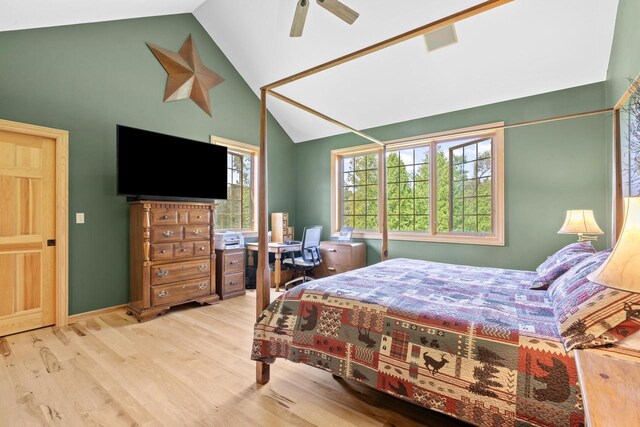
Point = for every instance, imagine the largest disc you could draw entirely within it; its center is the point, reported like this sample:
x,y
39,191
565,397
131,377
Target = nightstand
x,y
610,381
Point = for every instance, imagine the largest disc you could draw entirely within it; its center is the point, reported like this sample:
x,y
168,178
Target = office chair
x,y
309,255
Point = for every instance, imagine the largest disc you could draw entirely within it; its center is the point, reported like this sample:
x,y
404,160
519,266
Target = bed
x,y
473,343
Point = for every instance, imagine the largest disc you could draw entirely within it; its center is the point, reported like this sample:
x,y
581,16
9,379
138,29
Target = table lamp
x,y
622,269
582,223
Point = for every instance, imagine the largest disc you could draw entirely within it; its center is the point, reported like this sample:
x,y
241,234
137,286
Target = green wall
x,y
87,78
624,63
549,168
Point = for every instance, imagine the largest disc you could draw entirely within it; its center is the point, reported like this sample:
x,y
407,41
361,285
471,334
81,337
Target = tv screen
x,y
153,165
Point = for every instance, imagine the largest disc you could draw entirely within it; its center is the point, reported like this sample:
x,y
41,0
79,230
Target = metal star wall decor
x,y
187,75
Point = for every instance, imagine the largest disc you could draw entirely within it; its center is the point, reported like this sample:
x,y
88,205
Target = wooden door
x,y
27,222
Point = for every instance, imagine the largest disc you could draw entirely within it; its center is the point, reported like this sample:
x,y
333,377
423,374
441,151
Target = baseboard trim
x,y
89,314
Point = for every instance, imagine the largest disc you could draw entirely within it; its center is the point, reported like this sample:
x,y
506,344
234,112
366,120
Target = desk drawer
x,y
331,269
233,262
167,273
180,292
336,255
233,282
162,234
196,232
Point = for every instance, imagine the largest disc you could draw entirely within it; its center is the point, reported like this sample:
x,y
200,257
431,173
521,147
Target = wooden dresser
x,y
338,257
230,267
172,257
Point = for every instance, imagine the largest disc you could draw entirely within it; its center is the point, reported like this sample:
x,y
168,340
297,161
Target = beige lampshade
x,y
580,222
622,269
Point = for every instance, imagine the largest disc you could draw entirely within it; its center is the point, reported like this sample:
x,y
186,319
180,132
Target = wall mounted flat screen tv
x,y
156,166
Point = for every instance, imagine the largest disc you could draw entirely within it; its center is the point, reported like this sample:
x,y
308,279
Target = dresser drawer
x,y
164,216
166,234
182,250
167,273
180,292
183,217
202,248
199,217
160,251
196,232
233,282
233,262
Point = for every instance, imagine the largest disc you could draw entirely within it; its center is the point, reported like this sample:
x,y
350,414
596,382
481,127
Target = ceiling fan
x,y
336,7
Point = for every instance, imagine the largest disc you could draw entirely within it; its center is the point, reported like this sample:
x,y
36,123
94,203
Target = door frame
x,y
61,279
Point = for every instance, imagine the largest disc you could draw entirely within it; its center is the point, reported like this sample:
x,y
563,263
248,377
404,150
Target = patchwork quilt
x,y
474,343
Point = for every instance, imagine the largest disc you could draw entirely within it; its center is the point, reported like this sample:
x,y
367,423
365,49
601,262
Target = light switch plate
x,y
79,218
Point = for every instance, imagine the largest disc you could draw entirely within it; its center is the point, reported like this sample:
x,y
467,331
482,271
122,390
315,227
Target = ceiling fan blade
x,y
299,18
340,10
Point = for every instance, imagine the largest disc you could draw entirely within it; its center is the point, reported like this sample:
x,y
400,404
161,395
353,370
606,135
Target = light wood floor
x,y
190,367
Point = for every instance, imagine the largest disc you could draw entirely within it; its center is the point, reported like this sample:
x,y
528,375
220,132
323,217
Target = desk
x,y
274,248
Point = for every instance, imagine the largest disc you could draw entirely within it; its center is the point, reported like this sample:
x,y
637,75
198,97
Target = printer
x,y
229,240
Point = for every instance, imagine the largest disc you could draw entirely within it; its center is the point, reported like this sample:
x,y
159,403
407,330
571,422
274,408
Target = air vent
x,y
441,38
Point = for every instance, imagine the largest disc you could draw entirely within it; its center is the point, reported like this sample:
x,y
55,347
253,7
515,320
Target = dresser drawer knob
x,y
168,233
162,273
163,251
199,216
332,250
202,268
165,216
331,268
234,262
197,232
162,294
235,282
202,286
202,248
183,250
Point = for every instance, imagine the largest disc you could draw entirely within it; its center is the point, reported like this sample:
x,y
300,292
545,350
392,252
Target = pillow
x,y
560,262
588,314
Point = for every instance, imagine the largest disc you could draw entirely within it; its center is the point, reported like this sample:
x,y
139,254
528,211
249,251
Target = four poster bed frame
x,y
263,277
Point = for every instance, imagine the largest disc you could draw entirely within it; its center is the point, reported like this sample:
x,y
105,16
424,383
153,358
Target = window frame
x,y
237,147
496,238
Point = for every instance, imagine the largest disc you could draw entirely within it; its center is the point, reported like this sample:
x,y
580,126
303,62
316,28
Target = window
x,y
439,188
360,192
408,189
238,212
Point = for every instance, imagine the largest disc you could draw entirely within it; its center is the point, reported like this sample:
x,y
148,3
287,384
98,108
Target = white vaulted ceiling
x,y
524,48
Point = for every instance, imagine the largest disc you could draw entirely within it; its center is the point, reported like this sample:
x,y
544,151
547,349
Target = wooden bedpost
x,y
262,274
383,207
618,209
618,206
